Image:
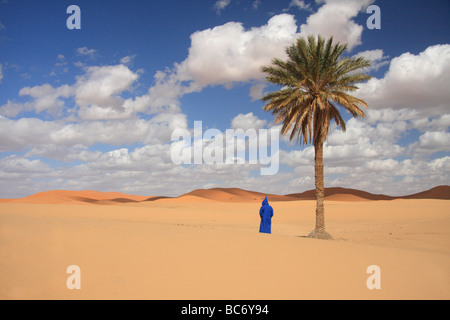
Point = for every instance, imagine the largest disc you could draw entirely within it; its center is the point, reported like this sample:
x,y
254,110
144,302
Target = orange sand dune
x,y
440,192
187,198
235,195
218,194
311,194
344,197
331,194
197,248
86,196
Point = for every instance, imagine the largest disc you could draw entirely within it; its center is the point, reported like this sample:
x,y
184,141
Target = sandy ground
x,y
194,248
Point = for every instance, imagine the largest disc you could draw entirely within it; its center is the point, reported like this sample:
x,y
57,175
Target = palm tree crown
x,y
315,84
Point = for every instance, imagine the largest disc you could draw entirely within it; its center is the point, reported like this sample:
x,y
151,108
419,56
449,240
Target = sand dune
x,y
85,196
311,194
198,248
235,195
344,197
440,192
219,194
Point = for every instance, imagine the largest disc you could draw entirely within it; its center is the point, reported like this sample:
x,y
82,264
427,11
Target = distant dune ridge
x,y
88,196
220,194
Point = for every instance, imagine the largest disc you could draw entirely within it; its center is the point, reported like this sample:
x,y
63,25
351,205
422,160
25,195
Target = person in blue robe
x,y
266,214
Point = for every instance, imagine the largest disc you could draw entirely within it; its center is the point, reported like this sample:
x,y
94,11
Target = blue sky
x,y
95,108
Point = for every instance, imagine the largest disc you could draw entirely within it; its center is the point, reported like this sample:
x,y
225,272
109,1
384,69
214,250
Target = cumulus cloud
x,y
47,98
439,123
98,91
44,98
431,142
17,165
101,85
370,155
440,165
223,55
376,57
415,82
257,90
37,134
229,53
335,19
247,121
146,170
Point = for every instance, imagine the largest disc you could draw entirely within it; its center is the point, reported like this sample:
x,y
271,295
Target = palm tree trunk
x,y
320,189
319,232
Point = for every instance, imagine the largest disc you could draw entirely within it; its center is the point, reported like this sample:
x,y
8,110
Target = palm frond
x,y
316,83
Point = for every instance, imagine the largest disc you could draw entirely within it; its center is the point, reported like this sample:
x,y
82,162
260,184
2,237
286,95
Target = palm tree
x,y
315,84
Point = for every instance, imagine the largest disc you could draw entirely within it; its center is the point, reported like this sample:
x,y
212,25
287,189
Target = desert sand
x,y
206,245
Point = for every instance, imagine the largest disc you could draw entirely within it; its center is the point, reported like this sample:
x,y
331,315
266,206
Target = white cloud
x,y
221,4
334,19
414,82
146,170
229,53
52,138
17,134
440,165
376,57
100,86
1,72
300,4
223,55
127,59
364,141
393,177
382,165
85,51
97,93
117,132
247,121
257,90
47,98
367,156
431,142
21,165
440,123
163,97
